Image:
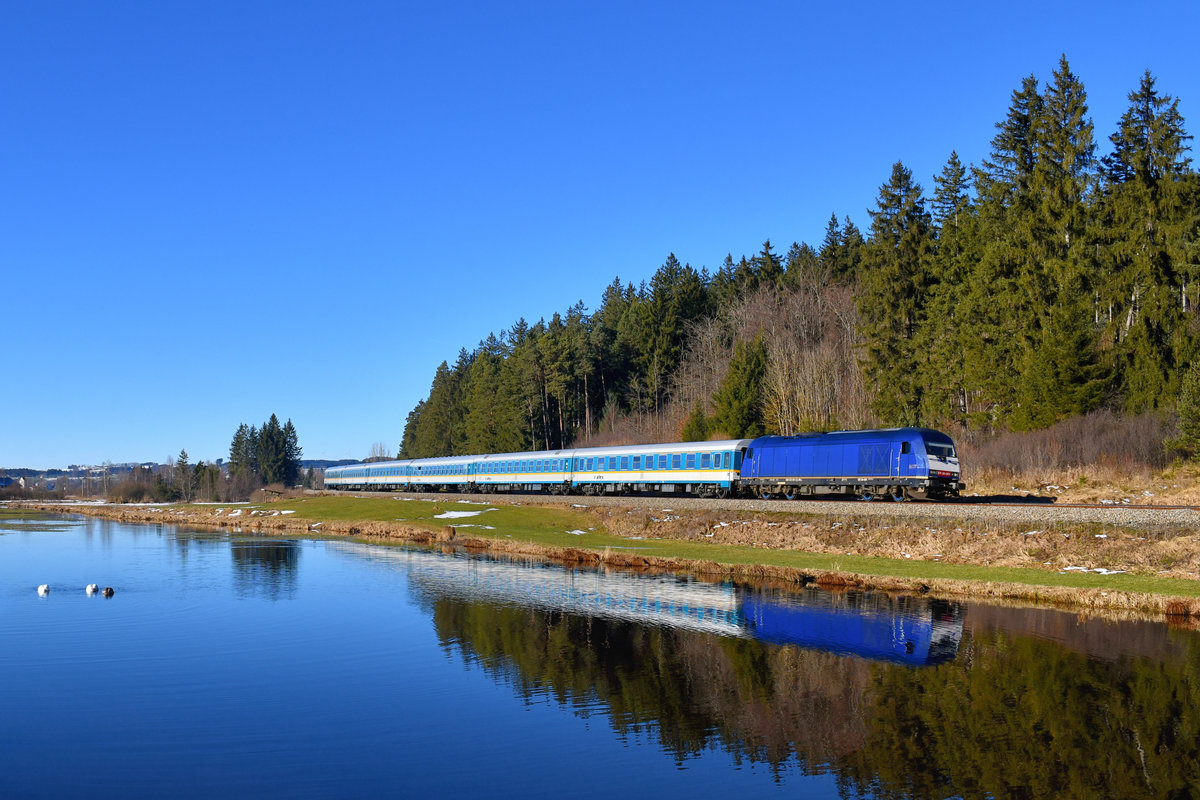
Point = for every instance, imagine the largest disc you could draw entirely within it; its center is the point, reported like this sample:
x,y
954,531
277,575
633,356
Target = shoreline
x,y
1177,608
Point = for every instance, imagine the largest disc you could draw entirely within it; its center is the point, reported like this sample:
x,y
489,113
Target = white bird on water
x,y
92,588
44,589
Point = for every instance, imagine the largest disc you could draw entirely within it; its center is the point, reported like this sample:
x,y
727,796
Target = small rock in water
x,y
108,591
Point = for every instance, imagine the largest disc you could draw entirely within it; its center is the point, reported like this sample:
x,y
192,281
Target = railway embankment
x,y
1145,560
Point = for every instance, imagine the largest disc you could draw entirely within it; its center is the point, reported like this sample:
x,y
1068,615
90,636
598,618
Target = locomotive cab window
x,y
938,450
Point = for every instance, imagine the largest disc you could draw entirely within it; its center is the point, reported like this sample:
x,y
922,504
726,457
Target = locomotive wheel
x,y
898,494
791,493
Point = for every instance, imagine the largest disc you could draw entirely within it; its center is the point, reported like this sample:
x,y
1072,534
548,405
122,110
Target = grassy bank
x,y
955,559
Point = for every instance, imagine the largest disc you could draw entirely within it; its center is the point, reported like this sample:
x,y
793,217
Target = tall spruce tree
x,y
272,452
1146,215
738,404
946,398
991,299
292,454
893,293
241,455
1060,374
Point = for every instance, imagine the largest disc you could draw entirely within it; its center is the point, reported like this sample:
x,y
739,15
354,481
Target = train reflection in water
x,y
903,630
906,630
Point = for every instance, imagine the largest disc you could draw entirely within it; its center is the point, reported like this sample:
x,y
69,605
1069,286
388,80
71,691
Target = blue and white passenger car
x,y
701,468
708,469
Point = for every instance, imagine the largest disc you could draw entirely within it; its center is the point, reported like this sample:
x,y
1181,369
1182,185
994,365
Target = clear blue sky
x,y
214,211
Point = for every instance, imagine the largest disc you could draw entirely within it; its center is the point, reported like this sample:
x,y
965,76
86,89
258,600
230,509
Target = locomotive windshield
x,y
939,450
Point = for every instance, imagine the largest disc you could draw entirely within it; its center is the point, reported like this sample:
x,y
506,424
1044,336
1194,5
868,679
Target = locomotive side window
x,y
706,461
637,462
674,462
624,462
662,462
905,448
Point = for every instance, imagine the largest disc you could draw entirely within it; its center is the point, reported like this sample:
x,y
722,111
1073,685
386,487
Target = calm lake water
x,y
228,665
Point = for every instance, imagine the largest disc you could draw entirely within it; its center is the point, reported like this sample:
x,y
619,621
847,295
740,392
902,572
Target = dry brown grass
x,y
1178,484
1170,551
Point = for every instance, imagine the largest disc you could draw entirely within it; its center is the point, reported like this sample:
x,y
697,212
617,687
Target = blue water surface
x,y
226,665
231,665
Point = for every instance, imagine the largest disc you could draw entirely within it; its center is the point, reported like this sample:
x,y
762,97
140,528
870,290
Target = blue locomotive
x,y
900,463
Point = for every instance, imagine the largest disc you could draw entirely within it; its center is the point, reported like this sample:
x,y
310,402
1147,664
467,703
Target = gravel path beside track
x,y
1017,513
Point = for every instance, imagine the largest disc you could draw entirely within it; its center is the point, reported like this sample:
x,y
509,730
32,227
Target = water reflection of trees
x,y
267,568
1012,716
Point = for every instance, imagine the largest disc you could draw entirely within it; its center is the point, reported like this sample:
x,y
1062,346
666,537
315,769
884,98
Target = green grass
x,y
549,527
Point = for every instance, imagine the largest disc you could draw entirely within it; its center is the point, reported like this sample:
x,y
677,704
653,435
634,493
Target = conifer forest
x,y
1055,278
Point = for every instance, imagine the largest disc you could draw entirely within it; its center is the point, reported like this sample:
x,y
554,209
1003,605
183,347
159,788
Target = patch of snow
x,y
578,505
1101,535
235,513
460,514
577,532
